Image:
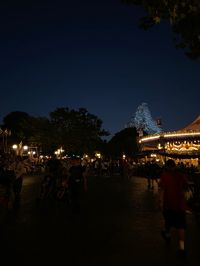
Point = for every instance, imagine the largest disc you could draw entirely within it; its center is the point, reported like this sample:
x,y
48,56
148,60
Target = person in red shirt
x,y
172,203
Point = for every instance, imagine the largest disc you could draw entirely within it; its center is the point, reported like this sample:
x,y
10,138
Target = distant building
x,y
183,144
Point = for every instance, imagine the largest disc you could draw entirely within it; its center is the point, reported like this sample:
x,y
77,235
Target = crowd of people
x,y
12,171
66,180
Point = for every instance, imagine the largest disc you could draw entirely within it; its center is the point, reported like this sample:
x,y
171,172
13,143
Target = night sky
x,y
91,54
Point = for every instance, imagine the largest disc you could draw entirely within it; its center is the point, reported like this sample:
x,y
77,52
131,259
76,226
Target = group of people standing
x,y
172,184
68,181
64,180
12,172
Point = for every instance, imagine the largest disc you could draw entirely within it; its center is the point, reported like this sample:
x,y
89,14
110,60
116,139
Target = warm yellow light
x,y
61,150
159,146
149,138
168,135
25,147
14,146
98,155
181,134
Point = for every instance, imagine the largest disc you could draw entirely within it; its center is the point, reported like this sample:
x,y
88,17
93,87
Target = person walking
x,y
20,170
77,183
173,204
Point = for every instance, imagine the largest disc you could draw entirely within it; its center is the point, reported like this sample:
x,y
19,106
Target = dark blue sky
x,y
86,53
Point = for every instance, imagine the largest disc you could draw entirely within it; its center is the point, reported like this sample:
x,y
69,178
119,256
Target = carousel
x,y
182,145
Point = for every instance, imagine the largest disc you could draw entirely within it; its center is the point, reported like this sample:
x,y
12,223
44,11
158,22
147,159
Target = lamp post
x,y
124,156
20,149
98,155
15,148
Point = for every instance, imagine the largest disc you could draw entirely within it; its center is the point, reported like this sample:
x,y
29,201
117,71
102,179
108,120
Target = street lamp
x,y
19,148
14,147
59,152
25,148
98,155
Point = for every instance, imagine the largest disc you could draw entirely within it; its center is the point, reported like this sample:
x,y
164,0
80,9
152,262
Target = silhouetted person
x,y
77,182
19,168
172,203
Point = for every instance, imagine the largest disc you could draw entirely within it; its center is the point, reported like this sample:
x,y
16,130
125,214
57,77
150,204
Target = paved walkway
x,y
119,224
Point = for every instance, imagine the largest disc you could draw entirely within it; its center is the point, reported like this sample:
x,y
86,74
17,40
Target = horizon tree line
x,y
77,131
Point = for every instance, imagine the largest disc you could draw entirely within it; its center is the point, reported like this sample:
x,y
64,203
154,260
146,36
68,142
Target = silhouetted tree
x,y
183,16
20,124
124,142
44,135
77,130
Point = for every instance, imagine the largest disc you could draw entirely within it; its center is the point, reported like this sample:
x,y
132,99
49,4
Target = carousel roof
x,y
191,131
194,126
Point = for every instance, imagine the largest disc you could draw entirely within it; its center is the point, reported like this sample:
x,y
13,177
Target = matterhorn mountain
x,y
143,121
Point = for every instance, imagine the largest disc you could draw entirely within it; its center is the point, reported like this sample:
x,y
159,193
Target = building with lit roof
x,y
182,145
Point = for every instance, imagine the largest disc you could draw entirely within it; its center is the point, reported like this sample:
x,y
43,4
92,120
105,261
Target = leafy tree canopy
x,y
20,124
184,17
78,130
124,142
